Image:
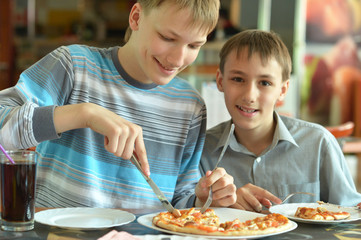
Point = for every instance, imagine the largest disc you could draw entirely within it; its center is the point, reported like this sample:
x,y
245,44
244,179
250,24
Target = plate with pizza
x,y
219,223
317,213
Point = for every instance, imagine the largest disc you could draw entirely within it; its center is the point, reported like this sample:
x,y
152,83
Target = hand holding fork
x,y
210,195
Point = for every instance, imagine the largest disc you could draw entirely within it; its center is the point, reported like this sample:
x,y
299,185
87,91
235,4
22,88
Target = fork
x,y
292,194
210,195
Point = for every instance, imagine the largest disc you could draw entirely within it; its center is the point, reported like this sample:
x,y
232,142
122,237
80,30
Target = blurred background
x,y
323,38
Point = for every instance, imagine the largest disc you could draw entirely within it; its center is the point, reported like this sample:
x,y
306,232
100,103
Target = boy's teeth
x,y
248,111
168,69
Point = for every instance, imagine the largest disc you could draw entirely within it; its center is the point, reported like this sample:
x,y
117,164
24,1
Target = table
x,y
344,231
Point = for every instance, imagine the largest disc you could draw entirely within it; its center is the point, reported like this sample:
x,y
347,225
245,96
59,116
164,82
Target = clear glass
x,y
17,183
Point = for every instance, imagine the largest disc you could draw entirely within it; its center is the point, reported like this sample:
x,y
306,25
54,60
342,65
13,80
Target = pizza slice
x,y
320,213
190,221
270,223
208,223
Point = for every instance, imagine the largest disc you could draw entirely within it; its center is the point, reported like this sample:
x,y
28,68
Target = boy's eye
x,y
165,38
265,83
192,46
237,79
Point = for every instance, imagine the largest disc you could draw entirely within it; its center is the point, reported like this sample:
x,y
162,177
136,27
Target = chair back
x,y
343,130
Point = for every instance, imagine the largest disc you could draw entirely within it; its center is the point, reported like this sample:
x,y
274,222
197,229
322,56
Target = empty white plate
x,y
84,218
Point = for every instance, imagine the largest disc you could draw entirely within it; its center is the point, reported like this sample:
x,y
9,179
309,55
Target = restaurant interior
x,y
322,36
29,29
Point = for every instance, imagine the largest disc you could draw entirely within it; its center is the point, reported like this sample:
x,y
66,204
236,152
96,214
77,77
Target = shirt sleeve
x,y
26,110
337,185
184,196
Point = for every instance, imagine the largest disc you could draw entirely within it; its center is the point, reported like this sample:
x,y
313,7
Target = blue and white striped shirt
x,y
74,169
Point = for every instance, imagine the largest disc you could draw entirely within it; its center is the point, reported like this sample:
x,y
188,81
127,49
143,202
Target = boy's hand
x,y
224,191
251,198
121,137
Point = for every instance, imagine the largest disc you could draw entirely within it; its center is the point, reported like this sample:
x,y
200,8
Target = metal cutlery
x,y
166,204
210,195
292,194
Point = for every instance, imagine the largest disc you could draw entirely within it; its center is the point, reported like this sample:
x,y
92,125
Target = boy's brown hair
x,y
204,12
266,44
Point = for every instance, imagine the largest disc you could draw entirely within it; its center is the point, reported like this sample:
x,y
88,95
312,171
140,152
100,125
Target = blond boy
x,y
88,109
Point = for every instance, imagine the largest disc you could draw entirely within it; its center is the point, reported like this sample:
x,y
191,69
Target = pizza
x,y
320,213
194,222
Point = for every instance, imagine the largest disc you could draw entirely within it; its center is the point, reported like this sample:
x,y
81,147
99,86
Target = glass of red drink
x,y
18,190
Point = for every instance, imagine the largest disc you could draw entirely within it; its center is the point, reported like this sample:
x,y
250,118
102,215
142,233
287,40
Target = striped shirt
x,y
74,169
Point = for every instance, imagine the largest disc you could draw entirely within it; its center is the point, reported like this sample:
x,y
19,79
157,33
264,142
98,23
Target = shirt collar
x,y
281,134
223,138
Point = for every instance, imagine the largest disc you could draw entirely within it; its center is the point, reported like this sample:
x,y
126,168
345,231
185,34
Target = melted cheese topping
x,y
320,213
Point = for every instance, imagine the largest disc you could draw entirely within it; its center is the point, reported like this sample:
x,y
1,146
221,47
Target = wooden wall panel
x,y
6,44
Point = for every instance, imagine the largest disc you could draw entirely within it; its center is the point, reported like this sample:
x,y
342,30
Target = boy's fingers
x,y
253,202
269,196
250,205
141,154
214,176
265,202
111,143
262,193
203,182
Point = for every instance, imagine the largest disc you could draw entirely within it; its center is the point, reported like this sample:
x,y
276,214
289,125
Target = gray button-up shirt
x,y
303,157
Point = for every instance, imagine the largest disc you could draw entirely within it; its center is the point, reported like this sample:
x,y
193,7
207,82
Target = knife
x,y
160,195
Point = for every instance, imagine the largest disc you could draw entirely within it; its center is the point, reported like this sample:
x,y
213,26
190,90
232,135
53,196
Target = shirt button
x,y
258,159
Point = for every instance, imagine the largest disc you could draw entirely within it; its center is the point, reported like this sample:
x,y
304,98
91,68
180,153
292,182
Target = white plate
x,y
84,218
289,211
224,214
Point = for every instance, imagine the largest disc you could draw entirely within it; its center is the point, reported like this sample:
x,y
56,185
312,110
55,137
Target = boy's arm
x,y
223,189
26,110
336,183
121,137
188,176
251,198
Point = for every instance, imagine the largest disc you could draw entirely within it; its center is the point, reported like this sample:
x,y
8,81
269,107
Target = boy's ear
x,y
284,89
219,80
134,16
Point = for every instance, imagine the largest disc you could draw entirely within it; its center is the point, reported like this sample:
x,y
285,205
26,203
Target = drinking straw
x,y
6,154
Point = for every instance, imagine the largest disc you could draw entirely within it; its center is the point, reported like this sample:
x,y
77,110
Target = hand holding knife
x,y
166,204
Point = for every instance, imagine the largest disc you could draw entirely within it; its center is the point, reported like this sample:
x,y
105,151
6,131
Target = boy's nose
x,y
176,57
250,94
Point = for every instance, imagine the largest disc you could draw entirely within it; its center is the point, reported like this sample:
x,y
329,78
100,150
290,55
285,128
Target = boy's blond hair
x,y
266,44
204,12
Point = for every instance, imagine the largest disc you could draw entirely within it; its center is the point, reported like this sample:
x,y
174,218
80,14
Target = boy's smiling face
x,y
165,42
251,90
